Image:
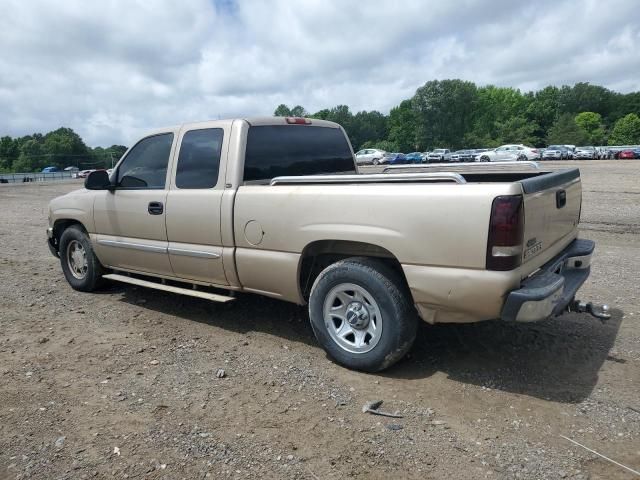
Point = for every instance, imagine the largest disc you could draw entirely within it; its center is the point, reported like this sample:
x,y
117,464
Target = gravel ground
x,y
125,383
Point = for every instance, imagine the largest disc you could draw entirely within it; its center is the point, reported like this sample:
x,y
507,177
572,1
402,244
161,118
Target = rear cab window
x,y
279,150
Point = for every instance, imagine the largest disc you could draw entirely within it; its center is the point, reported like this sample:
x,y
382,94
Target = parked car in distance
x,y
603,152
463,156
555,152
571,151
395,158
84,173
369,156
508,153
524,152
626,154
586,152
50,169
71,169
439,155
414,157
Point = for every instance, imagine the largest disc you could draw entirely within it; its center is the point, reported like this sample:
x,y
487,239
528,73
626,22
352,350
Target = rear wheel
x,y
79,263
362,314
376,161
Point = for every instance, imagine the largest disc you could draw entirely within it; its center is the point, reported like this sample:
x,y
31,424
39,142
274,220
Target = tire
x,y
375,161
484,158
80,265
382,321
521,158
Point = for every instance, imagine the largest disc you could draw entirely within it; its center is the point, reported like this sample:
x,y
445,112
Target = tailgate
x,y
552,211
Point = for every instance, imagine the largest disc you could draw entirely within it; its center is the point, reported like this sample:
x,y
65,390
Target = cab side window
x,y
199,159
145,166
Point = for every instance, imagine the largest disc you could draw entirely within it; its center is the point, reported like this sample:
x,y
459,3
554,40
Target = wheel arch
x,y
59,226
319,254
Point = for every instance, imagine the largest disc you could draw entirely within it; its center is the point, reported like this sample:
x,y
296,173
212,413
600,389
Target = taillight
x,y
506,231
298,121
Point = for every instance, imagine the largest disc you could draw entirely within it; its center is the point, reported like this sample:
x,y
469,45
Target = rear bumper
x,y
548,292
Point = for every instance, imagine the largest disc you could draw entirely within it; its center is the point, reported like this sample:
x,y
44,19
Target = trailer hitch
x,y
601,312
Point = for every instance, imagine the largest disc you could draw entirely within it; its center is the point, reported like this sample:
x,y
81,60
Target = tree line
x,y
59,148
442,114
459,114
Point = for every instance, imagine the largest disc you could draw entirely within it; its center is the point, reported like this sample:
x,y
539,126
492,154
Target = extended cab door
x,y
130,220
194,202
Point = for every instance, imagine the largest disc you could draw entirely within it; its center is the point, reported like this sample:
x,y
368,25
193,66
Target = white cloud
x,y
112,69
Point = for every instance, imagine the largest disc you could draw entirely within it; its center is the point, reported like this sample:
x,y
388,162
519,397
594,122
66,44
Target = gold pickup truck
x,y
275,206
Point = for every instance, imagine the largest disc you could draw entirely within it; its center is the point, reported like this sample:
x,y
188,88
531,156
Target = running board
x,y
168,288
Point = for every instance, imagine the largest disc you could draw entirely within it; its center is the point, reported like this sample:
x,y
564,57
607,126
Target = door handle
x,y
155,208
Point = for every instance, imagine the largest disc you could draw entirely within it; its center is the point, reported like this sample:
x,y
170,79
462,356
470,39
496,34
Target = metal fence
x,y
35,177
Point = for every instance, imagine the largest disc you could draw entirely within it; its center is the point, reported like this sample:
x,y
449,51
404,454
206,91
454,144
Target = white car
x,y
370,156
508,153
586,152
439,155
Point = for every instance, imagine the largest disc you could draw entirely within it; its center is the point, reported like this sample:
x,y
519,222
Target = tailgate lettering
x,y
533,248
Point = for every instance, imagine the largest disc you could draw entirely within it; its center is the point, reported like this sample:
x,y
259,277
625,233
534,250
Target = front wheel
x,y
484,158
362,315
79,263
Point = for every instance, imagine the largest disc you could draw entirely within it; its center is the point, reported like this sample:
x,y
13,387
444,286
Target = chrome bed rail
x,y
412,177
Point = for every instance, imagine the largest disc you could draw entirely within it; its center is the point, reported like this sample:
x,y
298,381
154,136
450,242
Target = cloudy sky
x,y
112,69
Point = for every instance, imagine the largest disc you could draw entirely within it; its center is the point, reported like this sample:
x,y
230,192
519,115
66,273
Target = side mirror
x,y
98,180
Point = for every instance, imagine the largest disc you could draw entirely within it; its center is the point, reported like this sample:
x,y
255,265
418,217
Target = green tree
x,y
625,104
9,152
584,97
494,107
32,157
368,126
403,127
322,114
591,123
626,131
565,131
298,111
64,147
517,130
444,110
282,111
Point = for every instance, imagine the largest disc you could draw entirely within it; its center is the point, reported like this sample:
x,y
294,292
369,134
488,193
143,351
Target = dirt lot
x,y
122,383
